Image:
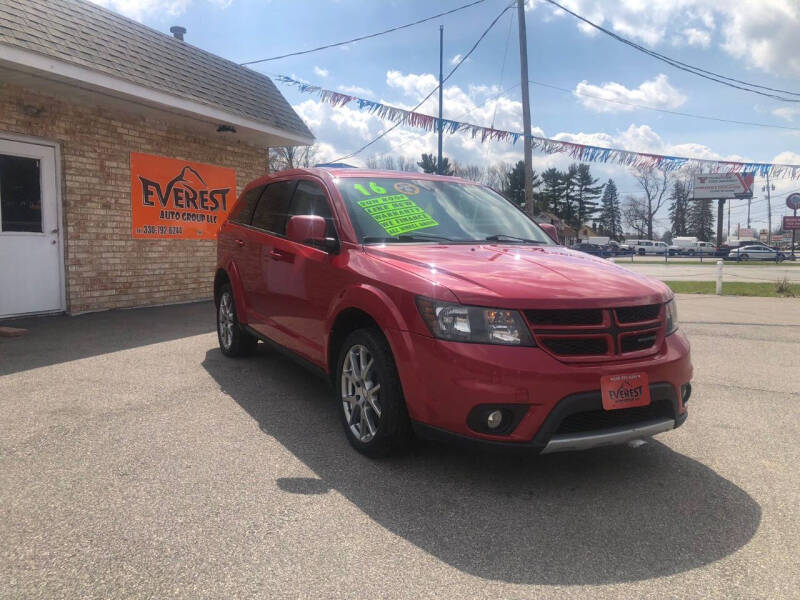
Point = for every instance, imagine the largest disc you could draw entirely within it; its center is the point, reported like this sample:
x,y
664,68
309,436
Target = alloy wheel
x,y
360,391
226,320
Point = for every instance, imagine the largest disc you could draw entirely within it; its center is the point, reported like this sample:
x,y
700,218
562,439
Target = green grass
x,y
711,262
735,288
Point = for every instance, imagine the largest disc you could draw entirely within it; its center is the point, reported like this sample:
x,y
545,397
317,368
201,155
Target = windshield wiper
x,y
417,237
498,237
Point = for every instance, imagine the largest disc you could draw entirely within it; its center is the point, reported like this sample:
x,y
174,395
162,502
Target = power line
x,y
433,91
664,110
711,75
364,37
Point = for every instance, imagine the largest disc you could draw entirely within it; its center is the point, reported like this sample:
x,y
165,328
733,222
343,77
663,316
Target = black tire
x,y
234,341
641,252
780,258
691,252
393,429
744,257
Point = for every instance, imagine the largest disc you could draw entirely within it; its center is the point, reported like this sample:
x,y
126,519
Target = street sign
x,y
791,223
793,201
720,186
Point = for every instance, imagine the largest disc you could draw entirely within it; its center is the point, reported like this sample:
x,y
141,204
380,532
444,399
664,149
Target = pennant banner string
x,y
580,152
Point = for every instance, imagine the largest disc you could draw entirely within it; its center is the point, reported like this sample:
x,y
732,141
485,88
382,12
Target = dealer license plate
x,y
624,391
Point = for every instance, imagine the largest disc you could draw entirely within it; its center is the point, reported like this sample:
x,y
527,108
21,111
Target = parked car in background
x,y
593,249
434,304
642,247
691,246
759,252
618,249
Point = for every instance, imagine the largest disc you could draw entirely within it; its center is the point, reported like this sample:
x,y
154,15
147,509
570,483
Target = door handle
x,y
239,243
281,255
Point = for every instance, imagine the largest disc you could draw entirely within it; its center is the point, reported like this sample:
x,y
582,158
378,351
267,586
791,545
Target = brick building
x,y
121,148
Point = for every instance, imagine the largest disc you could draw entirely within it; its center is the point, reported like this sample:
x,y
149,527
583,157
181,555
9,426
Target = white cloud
x,y
761,33
356,90
787,112
697,37
787,158
139,9
655,93
320,72
455,59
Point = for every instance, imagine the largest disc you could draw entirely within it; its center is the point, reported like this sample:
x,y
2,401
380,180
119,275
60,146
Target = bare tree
x,y
654,183
282,158
496,176
472,172
391,163
635,216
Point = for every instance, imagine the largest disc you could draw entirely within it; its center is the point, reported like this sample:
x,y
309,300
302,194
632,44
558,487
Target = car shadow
x,y
597,517
57,339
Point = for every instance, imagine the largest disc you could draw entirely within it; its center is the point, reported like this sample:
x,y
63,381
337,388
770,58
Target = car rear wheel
x,y
233,340
373,411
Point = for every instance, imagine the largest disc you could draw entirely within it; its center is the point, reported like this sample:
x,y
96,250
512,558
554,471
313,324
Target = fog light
x,y
686,392
494,419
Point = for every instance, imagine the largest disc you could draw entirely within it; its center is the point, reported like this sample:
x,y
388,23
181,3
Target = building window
x,y
20,194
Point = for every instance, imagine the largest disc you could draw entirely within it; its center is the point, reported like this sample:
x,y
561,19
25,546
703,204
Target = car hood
x,y
517,276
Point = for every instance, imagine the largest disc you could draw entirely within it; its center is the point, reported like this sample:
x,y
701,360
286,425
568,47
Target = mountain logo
x,y
187,190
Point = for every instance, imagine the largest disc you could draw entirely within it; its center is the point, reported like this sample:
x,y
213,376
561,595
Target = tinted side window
x,y
309,199
243,212
273,208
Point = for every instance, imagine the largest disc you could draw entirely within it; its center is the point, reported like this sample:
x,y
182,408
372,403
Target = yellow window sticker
x,y
397,214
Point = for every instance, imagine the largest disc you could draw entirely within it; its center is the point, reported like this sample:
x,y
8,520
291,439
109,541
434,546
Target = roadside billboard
x,y
720,186
178,199
791,223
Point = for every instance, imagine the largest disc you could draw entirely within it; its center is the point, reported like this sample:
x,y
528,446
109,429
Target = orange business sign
x,y
178,199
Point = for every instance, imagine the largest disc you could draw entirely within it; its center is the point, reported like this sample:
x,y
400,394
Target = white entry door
x,y
31,273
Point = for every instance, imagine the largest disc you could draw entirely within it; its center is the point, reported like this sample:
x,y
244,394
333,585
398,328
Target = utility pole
x,y
769,215
441,53
748,212
526,107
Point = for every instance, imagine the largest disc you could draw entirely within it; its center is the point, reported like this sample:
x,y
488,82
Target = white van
x,y
690,246
642,247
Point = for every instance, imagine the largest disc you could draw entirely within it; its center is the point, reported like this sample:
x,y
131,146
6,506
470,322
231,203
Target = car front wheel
x,y
744,257
372,408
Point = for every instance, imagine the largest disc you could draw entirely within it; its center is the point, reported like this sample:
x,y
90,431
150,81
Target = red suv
x,y
434,304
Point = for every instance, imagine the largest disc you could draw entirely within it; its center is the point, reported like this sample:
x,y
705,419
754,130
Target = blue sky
x,y
754,40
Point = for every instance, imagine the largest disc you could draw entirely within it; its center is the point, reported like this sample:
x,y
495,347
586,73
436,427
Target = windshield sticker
x,y
397,214
406,188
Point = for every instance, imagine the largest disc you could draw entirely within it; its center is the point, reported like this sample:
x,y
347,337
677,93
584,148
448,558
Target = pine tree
x,y
514,183
567,207
551,190
679,208
610,219
428,164
586,193
700,221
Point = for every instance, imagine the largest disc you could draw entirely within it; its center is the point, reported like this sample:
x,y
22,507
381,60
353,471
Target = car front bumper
x,y
444,381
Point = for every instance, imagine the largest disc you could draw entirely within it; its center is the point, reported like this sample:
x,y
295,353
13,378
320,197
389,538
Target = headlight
x,y
671,308
459,323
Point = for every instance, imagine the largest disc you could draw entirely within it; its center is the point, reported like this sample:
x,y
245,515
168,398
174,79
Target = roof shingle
x,y
82,33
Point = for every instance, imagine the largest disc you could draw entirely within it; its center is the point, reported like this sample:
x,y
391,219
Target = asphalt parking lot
x,y
137,461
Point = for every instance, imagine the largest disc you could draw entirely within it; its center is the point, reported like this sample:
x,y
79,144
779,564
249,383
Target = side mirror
x,y
550,230
310,229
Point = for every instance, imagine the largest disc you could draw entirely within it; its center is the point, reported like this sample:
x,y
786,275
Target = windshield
x,y
400,210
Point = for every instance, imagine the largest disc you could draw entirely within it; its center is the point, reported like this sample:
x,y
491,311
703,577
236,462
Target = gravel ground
x,y
137,461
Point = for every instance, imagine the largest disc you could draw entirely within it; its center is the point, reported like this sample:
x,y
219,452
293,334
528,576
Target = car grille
x,y
637,314
576,346
598,334
594,420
